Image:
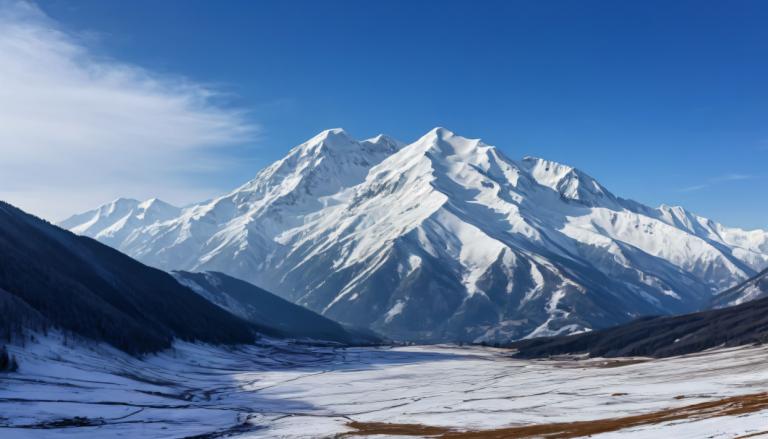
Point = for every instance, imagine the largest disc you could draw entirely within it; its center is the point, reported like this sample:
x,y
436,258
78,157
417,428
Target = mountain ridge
x,y
446,238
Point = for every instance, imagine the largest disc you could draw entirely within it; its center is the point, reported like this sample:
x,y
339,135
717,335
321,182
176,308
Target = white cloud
x,y
77,130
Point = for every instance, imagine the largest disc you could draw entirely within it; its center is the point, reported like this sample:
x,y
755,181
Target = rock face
x,y
442,239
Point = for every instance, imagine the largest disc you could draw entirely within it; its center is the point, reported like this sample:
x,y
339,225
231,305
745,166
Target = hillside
x,y
51,277
268,310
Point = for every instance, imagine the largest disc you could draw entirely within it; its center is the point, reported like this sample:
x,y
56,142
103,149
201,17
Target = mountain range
x,y
444,238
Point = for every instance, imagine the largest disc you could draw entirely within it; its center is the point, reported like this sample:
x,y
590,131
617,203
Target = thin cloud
x,y
694,188
719,179
733,177
77,129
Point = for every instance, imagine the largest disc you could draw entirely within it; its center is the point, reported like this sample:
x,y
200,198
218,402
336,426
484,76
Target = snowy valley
x,y
278,389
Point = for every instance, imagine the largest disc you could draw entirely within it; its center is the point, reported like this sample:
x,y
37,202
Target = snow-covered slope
x,y
665,336
114,222
445,238
751,289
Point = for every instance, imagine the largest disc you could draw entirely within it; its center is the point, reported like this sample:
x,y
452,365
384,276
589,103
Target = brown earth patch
x,y
731,406
373,428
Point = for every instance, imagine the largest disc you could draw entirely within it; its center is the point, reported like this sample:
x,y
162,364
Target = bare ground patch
x,y
731,406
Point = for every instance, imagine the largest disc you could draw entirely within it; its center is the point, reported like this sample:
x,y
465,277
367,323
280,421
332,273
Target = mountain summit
x,y
442,239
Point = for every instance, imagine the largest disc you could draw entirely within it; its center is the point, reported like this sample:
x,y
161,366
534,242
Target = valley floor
x,y
281,389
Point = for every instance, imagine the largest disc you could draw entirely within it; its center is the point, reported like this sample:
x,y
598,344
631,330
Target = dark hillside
x,y
270,311
85,287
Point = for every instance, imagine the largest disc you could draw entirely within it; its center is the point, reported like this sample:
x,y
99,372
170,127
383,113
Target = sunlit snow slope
x,y
751,289
444,238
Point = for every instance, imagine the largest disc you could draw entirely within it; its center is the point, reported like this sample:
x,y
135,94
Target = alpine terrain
x,y
442,239
752,289
665,336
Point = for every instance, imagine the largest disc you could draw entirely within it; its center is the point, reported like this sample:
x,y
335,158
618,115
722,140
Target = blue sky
x,y
663,102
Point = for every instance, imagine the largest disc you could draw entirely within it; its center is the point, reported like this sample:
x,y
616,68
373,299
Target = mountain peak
x,y
122,201
674,209
445,143
155,209
156,203
330,134
321,166
339,140
119,213
383,139
571,183
441,132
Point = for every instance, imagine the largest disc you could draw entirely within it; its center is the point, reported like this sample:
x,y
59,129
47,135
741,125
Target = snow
x,y
289,390
754,288
395,310
327,222
751,292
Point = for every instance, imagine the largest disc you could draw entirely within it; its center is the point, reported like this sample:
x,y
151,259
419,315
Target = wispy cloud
x,y
694,188
77,129
733,177
719,179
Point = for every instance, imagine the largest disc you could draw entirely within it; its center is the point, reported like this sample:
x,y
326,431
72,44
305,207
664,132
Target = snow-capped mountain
x,y
444,238
113,222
